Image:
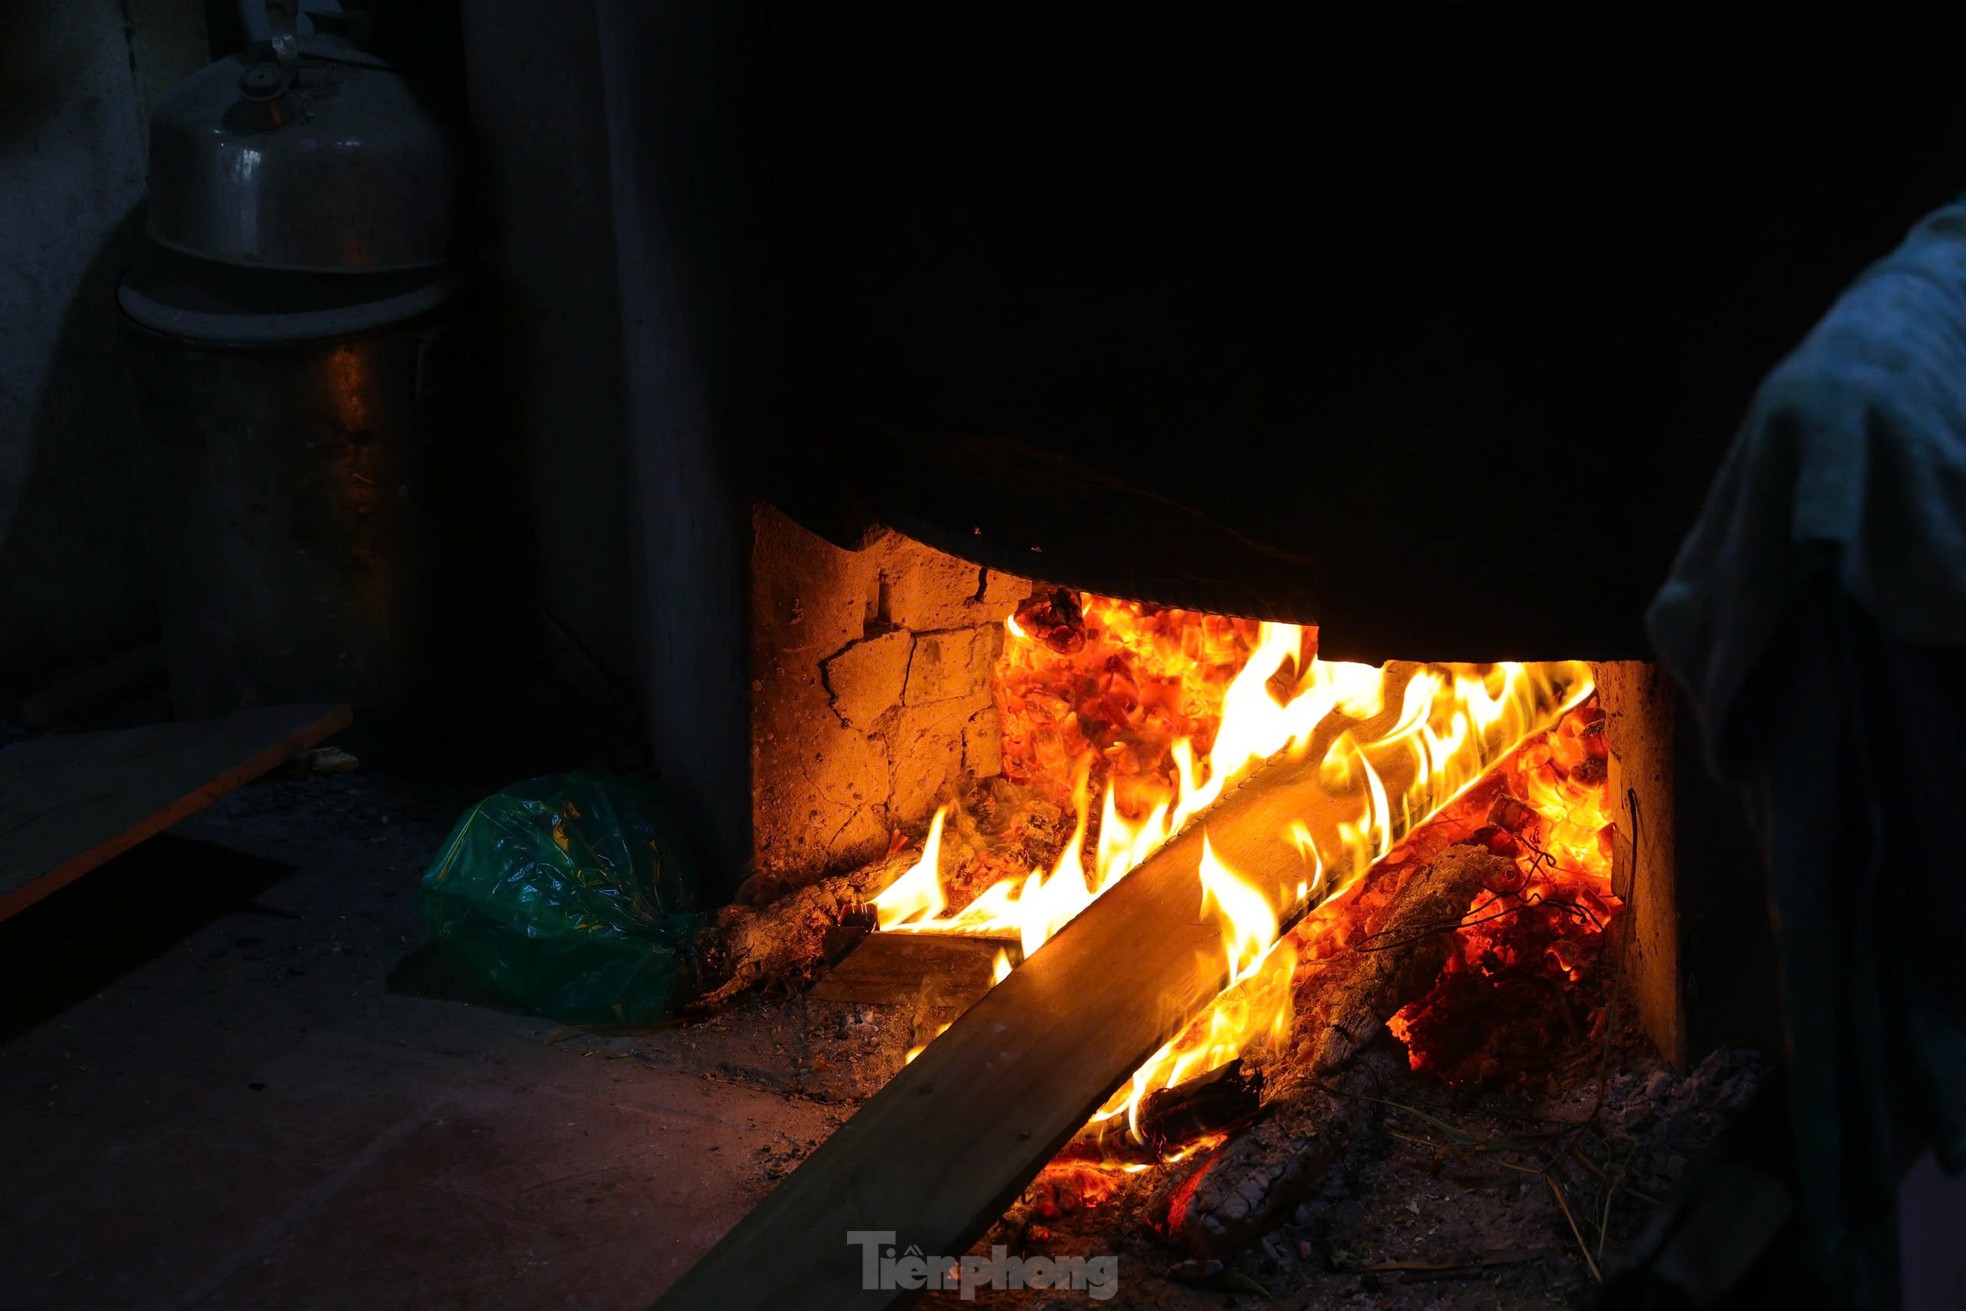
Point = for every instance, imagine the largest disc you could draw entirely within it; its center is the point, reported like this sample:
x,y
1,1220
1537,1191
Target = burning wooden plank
x,y
939,1152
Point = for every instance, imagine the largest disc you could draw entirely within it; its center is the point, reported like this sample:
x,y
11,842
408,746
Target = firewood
x,y
1240,1193
897,969
1000,830
745,946
1221,1099
1358,992
1319,1087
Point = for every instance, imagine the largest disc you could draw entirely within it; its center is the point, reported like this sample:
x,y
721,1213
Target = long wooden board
x,y
945,1146
69,803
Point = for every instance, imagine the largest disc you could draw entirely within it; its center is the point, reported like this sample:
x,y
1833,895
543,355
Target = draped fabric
x,y
1816,616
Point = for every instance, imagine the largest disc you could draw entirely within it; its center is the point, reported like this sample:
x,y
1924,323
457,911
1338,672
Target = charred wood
x,y
1224,1098
1320,1088
1245,1189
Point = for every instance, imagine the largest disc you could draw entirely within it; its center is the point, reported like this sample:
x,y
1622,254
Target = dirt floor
x,y
226,1082
233,1074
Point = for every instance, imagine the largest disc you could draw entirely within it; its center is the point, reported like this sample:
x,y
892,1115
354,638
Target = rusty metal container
x,y
294,329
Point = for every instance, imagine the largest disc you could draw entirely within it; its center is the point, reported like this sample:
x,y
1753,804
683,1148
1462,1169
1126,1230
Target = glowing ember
x,y
1110,686
1526,958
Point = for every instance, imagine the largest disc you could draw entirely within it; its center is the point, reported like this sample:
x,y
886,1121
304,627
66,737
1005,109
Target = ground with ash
x,y
1450,1200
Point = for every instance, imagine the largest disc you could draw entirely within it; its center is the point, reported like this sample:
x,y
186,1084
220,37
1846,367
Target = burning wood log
x,y
1317,1099
749,945
1224,1098
934,1157
1359,991
999,829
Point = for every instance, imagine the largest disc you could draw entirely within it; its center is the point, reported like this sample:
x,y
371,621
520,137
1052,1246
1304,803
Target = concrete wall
x,y
77,79
673,80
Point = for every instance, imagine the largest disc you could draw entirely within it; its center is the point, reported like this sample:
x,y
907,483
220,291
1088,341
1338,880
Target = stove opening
x,y
1469,865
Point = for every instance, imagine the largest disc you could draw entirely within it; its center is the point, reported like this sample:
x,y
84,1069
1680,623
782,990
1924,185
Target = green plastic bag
x,y
572,895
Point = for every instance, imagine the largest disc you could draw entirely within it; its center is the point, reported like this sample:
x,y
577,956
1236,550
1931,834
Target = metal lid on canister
x,y
314,158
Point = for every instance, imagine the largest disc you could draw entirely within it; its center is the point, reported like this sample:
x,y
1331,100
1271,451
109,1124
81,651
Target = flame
x,y
1254,726
1576,818
1452,723
1249,926
921,1047
917,894
1445,715
1256,1004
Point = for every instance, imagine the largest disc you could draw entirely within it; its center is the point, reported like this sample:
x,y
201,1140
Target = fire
x,y
1255,1006
1493,1010
1253,726
1159,713
917,894
1554,779
1249,925
941,1029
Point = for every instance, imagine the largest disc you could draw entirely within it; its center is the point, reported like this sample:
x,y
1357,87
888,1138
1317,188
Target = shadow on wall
x,y
40,58
73,580
75,584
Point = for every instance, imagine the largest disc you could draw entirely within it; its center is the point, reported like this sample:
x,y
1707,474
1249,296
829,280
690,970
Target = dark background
x,y
1424,322
1427,323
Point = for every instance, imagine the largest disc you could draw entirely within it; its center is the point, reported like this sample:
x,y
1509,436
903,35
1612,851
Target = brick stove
x,y
872,705
870,679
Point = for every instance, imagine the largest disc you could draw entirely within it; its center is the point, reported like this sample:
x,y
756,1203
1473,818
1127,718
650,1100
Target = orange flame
x,y
1256,1004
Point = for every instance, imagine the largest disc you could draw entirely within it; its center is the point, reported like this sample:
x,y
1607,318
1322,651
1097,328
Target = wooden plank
x,y
944,1147
1638,726
892,969
68,803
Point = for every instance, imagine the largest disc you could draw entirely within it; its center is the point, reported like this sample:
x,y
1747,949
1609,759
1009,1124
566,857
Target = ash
x,y
1453,1198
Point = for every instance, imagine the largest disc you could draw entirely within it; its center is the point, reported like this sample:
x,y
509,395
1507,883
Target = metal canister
x,y
296,339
